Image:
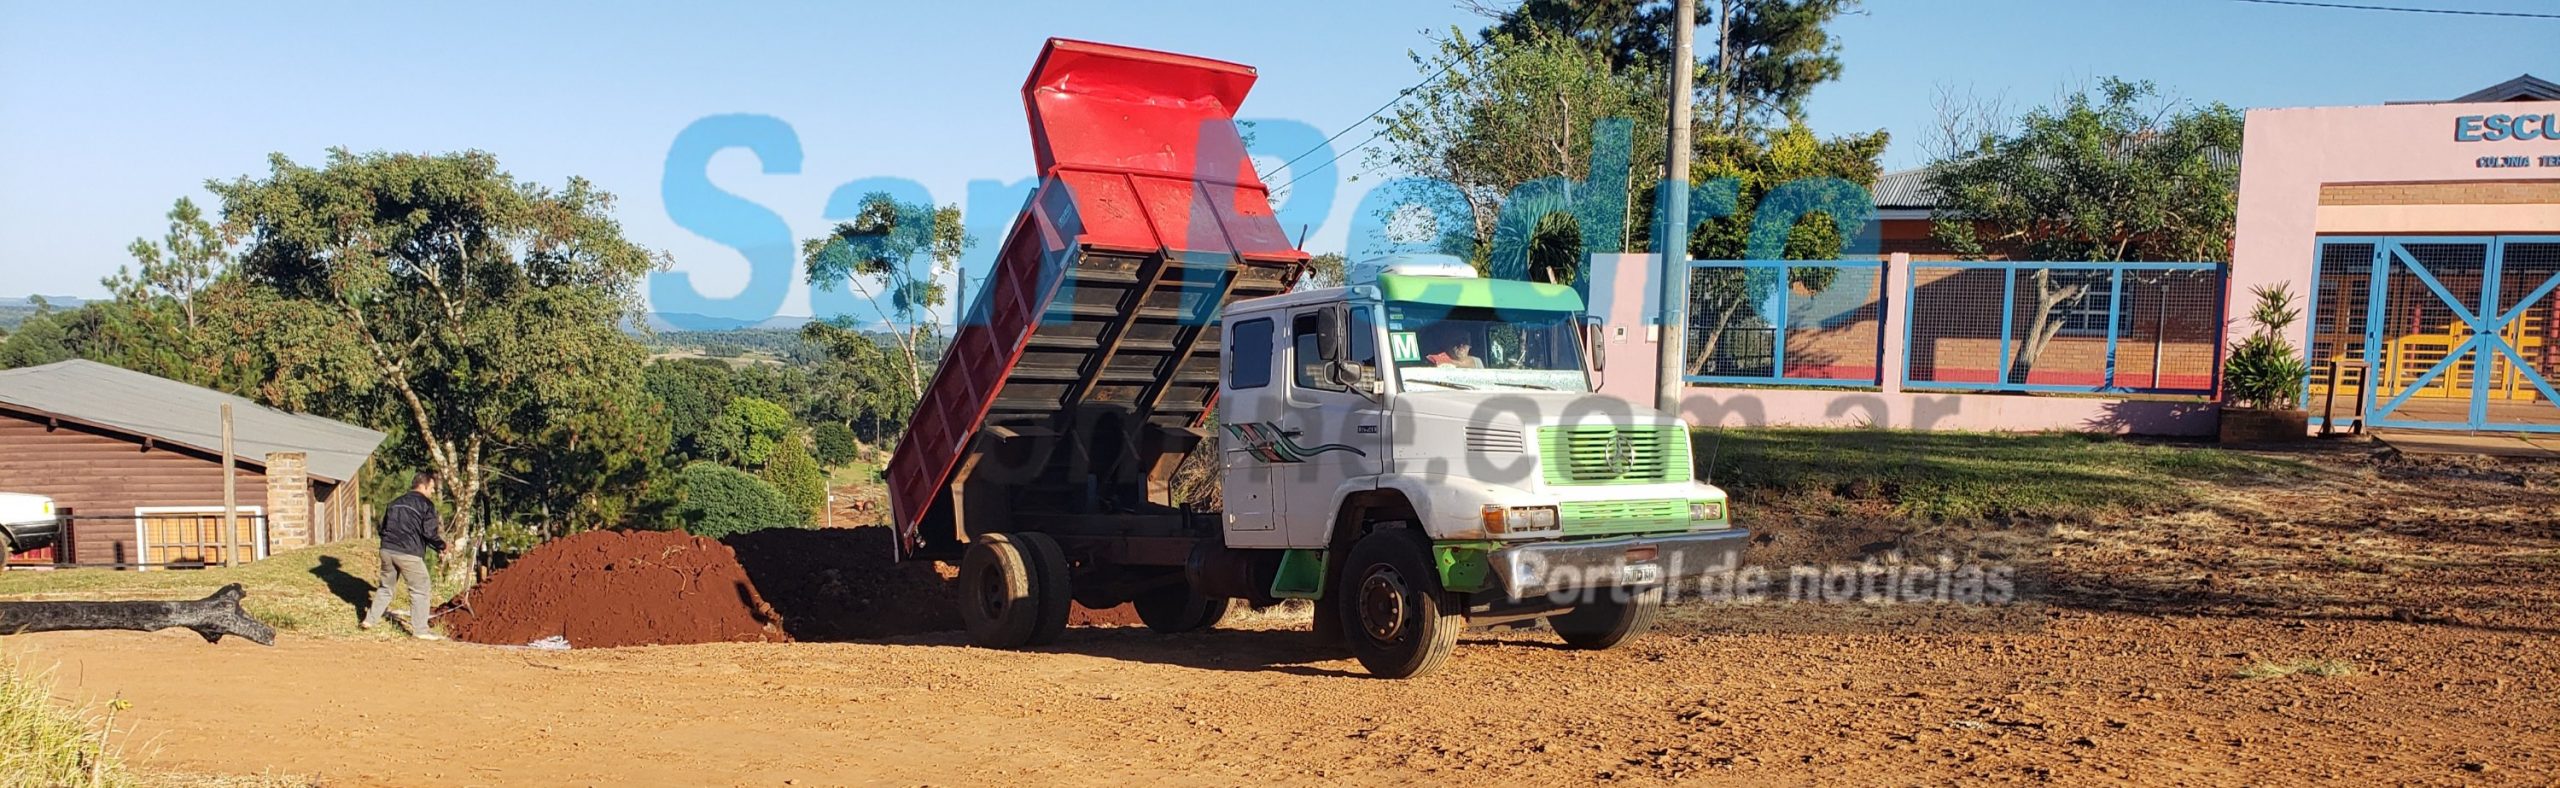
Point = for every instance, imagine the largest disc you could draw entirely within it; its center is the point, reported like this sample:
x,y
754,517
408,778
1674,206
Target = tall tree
x,y
1515,109
2113,173
900,251
488,312
857,378
185,261
1636,34
1769,56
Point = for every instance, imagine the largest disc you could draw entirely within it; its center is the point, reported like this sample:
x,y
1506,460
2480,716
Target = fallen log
x,y
212,617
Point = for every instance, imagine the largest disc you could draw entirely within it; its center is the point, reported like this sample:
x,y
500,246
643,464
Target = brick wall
x,y
2442,193
288,501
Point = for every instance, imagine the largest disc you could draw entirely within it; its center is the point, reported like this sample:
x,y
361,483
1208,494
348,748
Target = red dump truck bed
x,y
1097,332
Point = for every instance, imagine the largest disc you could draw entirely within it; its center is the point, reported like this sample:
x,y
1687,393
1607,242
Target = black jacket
x,y
409,527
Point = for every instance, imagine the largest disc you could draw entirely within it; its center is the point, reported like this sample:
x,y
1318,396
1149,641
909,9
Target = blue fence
x,y
2149,328
1786,322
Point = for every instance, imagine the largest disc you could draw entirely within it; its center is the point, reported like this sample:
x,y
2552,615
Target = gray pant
x,y
395,568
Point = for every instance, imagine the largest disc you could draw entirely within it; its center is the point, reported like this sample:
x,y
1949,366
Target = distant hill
x,y
682,321
15,309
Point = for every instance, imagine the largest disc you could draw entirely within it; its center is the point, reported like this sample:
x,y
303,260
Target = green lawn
x,y
312,591
854,474
1962,477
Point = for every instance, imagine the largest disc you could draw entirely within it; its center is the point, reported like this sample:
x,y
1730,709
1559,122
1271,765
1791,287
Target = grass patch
x,y
312,591
854,474
2324,668
1969,476
43,744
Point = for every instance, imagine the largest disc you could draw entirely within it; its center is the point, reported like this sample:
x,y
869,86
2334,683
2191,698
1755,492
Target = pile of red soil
x,y
604,589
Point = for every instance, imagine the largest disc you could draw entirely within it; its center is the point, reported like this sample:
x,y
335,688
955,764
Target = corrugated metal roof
x,y
191,416
2523,88
1905,189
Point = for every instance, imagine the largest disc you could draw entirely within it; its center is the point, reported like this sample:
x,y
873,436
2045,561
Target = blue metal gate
x,y
2452,333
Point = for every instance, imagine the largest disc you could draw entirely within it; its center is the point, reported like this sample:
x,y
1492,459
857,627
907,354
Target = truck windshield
x,y
1471,348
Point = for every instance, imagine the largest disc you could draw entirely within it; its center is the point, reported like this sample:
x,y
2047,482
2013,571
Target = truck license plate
x,y
1639,574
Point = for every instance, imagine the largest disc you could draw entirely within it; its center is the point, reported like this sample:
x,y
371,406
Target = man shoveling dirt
x,y
409,528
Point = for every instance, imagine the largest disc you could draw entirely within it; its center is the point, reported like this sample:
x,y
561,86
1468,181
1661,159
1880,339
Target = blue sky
x,y
108,112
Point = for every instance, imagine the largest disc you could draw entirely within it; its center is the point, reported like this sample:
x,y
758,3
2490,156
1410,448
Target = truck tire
x,y
1175,609
1617,616
1398,619
1052,590
996,587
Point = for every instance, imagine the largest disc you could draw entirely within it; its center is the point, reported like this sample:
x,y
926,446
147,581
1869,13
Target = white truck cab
x,y
1430,442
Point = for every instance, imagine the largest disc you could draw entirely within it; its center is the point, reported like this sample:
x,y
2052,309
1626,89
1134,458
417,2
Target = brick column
x,y
288,501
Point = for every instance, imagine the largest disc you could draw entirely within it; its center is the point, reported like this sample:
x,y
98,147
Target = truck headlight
x,y
1706,510
1519,519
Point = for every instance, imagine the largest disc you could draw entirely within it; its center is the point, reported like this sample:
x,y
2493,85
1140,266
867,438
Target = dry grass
x,y
46,744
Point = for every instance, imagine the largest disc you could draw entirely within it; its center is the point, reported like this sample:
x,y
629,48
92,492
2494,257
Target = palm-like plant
x,y
2264,372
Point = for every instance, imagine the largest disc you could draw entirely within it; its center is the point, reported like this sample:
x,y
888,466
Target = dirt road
x,y
2091,695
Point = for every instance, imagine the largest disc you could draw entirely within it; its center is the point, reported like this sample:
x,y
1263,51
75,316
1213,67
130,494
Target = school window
x,y
1249,354
2084,314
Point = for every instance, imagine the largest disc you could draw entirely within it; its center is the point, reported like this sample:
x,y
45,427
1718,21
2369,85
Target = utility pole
x,y
1672,233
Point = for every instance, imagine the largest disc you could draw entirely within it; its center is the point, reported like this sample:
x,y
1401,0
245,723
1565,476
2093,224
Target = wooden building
x,y
135,461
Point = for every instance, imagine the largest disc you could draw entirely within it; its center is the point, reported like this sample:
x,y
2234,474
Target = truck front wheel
x,y
1393,610
1612,617
998,601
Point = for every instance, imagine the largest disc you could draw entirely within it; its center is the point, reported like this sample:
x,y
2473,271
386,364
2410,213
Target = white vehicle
x,y
1418,452
27,521
1442,429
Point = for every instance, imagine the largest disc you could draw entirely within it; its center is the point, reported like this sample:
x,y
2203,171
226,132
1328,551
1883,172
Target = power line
x,y
2405,10
1293,179
1373,115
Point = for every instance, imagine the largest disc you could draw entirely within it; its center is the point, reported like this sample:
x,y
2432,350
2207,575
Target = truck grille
x,y
1614,455
1620,517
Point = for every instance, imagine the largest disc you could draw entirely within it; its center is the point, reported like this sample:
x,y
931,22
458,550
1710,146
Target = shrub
x,y
796,474
2264,372
717,500
835,444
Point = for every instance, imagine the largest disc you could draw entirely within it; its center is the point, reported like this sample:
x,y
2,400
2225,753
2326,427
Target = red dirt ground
x,y
604,589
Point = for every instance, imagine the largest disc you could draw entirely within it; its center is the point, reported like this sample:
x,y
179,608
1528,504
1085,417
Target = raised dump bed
x,y
1085,368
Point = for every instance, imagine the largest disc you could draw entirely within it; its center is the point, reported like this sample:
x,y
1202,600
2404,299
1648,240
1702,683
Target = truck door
x,y
1249,401
1334,432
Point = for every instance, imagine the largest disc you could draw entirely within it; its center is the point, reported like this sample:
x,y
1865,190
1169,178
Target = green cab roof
x,y
1492,293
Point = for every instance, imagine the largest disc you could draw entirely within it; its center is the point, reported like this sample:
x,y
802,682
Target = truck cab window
x,y
1360,348
1249,354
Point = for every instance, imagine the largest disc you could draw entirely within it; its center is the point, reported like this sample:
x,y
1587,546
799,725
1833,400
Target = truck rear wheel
x,y
1175,609
1615,616
1051,589
997,603
1400,622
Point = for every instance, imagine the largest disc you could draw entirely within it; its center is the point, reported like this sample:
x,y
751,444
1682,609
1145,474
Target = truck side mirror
x,y
1598,344
1329,332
